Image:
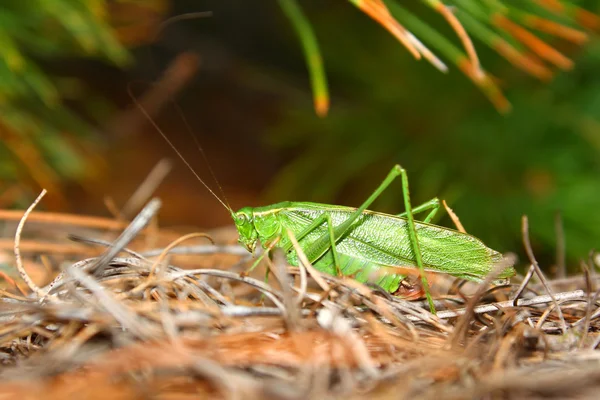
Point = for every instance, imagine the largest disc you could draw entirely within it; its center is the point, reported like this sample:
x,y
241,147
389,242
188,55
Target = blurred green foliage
x,y
42,138
503,26
540,159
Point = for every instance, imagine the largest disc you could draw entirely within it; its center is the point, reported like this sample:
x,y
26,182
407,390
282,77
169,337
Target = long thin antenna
x,y
155,125
159,32
200,149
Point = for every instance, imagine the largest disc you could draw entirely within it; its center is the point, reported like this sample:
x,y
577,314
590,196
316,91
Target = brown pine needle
x,y
321,105
553,5
64,219
174,244
464,38
533,42
379,13
553,28
527,62
36,246
9,280
98,330
587,19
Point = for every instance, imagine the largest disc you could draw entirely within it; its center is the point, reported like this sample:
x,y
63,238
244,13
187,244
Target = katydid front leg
x,y
260,258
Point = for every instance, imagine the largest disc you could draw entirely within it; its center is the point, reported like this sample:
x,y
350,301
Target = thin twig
x,y
132,230
235,250
278,267
540,274
126,318
147,187
34,288
504,305
461,328
303,283
104,243
524,284
174,244
271,293
316,275
64,219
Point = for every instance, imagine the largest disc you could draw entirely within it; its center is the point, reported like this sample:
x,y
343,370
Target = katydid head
x,y
244,222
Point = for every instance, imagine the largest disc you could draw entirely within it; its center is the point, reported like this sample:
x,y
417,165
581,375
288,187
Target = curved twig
x,y
19,261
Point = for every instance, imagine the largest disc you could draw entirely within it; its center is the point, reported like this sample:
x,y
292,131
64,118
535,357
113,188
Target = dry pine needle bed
x,y
140,312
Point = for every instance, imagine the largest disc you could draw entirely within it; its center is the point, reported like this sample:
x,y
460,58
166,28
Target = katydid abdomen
x,y
374,244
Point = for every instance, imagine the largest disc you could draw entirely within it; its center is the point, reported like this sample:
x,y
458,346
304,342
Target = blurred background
x,y
233,73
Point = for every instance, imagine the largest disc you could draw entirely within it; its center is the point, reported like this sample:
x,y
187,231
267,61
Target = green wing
x,y
380,240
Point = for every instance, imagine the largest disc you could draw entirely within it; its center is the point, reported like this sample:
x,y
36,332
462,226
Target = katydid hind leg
x,y
325,242
321,245
412,234
433,206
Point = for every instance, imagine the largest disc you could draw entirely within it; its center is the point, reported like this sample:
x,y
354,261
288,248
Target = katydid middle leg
x,y
433,206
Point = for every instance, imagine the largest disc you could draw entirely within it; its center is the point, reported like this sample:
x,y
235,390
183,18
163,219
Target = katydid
x,y
367,245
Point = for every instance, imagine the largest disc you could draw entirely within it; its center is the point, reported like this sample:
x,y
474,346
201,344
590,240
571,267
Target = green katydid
x,y
368,245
